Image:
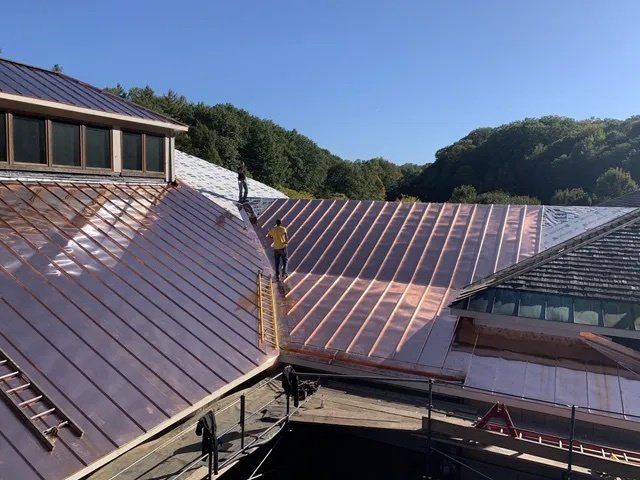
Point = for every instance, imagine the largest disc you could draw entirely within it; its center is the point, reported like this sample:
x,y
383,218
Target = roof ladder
x,y
267,317
32,406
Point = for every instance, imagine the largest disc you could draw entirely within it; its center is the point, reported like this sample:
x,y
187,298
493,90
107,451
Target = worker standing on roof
x,y
278,235
242,183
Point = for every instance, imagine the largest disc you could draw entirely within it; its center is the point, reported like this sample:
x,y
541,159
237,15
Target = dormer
x,y
50,122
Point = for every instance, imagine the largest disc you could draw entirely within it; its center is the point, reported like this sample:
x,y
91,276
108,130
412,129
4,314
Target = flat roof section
x,y
370,281
129,305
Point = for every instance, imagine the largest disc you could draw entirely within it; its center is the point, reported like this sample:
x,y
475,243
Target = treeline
x,y
553,160
284,159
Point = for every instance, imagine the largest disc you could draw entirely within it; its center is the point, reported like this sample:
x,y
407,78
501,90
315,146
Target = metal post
x,y
288,400
242,415
429,428
215,455
210,472
571,434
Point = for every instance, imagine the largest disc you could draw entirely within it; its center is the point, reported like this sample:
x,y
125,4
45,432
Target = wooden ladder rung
x,y
42,414
18,388
31,400
9,375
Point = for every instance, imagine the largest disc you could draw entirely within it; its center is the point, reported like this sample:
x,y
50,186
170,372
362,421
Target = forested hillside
x,y
550,159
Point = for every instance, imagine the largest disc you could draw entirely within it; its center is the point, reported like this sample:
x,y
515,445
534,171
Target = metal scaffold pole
x,y
571,435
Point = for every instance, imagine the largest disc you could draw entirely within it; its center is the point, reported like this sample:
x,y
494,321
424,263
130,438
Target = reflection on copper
x,y
128,303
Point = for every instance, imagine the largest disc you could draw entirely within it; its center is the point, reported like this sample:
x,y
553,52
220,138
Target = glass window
x,y
28,140
531,305
586,311
558,308
65,144
3,137
479,302
505,302
617,315
131,151
97,147
154,153
636,315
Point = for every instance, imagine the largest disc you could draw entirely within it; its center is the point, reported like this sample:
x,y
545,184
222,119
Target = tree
x,y
571,196
56,68
464,194
613,183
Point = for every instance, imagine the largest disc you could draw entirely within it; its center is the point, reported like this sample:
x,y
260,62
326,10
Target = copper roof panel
x,y
128,304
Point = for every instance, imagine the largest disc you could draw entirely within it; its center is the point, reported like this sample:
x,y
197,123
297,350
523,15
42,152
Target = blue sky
x,y
398,79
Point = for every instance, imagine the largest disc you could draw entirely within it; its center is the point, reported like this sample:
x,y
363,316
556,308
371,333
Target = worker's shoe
x,y
285,276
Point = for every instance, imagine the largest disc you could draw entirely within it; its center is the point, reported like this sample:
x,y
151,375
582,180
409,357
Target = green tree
x,y
464,194
56,68
613,183
571,196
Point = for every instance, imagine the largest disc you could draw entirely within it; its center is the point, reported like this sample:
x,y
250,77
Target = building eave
x,y
36,105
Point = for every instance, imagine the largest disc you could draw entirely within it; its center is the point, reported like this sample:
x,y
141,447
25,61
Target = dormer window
x,y
97,147
3,138
29,140
142,152
65,144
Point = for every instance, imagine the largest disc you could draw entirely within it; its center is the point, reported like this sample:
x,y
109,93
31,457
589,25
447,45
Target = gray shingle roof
x,y
221,185
602,263
33,82
629,200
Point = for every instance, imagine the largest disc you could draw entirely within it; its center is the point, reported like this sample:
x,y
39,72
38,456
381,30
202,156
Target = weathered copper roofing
x,y
128,304
28,81
370,281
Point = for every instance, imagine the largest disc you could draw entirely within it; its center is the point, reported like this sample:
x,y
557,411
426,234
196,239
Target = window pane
x,y
586,311
557,308
155,153
131,151
531,305
505,302
65,143
617,315
98,148
3,138
28,140
479,302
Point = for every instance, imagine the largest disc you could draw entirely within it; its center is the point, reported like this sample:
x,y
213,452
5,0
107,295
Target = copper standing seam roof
x,y
126,304
34,82
370,281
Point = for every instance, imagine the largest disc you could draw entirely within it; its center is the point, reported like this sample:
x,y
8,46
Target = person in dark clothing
x,y
242,183
207,428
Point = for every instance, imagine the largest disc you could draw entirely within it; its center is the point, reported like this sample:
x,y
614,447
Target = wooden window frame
x,y
83,151
144,172
47,150
49,128
6,138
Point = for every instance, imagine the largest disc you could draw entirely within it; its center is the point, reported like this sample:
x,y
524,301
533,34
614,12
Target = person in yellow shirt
x,y
278,235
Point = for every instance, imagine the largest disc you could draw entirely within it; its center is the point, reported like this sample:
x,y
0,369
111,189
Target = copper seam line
x,y
483,235
202,253
368,363
159,259
445,296
180,214
323,213
101,302
172,207
369,283
61,353
434,273
266,216
181,307
205,206
87,315
285,206
353,281
291,216
186,330
338,277
538,247
407,328
317,240
500,239
179,236
153,286
523,223
375,278
260,310
407,285
335,258
271,206
25,460
274,315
